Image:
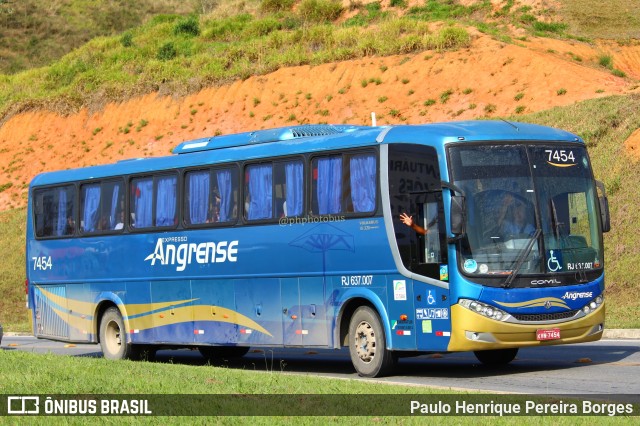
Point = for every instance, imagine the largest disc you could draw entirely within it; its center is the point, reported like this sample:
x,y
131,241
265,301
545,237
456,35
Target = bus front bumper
x,y
471,331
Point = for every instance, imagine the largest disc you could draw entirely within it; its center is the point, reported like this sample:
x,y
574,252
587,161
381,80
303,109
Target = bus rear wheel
x,y
496,357
367,344
113,336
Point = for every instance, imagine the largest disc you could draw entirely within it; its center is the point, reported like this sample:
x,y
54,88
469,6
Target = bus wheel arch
x,y
113,335
362,329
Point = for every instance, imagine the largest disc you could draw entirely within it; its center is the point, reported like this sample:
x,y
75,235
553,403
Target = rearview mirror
x,y
605,219
458,214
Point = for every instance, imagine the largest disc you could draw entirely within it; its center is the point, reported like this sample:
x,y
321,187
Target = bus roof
x,y
295,140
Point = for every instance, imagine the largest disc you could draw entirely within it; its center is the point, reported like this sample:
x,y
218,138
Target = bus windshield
x,y
530,210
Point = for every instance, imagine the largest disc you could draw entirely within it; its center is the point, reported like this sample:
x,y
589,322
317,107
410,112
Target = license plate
x,y
548,334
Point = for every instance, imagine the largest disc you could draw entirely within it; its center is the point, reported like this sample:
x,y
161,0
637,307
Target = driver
x,y
513,218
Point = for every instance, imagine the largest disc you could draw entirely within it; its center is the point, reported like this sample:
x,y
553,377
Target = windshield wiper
x,y
521,257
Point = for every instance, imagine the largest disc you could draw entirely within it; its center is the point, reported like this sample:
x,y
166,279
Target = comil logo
x,y
186,253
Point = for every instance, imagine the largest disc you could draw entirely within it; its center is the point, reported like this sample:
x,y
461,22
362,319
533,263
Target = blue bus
x,y
481,236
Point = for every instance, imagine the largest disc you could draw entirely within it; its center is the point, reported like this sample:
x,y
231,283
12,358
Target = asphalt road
x,y
610,366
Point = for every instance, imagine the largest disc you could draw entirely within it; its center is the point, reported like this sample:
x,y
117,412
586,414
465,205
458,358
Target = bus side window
x,y
259,192
197,197
225,194
432,247
54,211
289,188
141,204
362,183
344,184
89,208
327,194
166,201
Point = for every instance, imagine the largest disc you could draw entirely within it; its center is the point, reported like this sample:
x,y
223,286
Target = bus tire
x,y
217,353
496,357
113,336
367,344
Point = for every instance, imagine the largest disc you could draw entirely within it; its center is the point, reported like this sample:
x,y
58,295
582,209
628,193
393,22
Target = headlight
x,y
593,305
485,310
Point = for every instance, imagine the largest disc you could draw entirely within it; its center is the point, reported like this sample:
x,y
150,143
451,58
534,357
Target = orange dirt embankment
x,y
489,78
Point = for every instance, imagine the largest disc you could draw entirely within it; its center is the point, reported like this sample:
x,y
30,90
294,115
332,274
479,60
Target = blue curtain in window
x,y
260,192
225,186
143,203
294,181
198,197
113,214
329,185
363,183
91,203
166,201
61,222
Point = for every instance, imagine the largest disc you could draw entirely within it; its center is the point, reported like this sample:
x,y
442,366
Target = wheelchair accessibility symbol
x,y
554,261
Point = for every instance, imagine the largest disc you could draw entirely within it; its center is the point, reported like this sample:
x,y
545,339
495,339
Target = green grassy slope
x,y
35,33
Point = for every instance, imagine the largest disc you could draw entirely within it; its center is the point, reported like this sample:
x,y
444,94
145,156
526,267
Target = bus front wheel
x,y
496,357
367,344
113,336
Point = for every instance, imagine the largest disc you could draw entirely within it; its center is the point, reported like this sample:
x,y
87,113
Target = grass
x,y
61,375
13,313
36,33
147,51
615,19
187,54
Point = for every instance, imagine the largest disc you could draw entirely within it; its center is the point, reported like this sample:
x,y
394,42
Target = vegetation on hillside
x,y
35,33
174,54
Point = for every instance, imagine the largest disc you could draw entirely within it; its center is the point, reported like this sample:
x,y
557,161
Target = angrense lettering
x,y
187,253
578,295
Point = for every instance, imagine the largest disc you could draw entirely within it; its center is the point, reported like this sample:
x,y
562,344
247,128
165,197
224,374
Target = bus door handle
x,y
258,310
313,310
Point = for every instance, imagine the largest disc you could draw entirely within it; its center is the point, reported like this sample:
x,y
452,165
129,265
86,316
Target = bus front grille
x,y
545,317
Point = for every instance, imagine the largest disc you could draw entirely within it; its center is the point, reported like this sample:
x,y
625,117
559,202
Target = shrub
x,y
549,27
398,3
187,26
126,40
317,11
606,61
490,108
444,96
272,6
167,51
618,73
